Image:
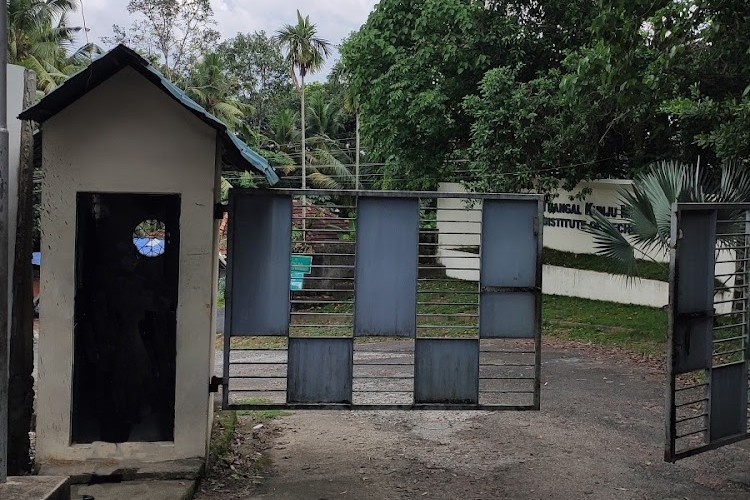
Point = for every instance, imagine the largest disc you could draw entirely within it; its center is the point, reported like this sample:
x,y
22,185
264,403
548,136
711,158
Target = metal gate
x,y
708,354
382,300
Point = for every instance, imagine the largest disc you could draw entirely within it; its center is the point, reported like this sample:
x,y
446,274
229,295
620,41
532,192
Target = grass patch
x,y
590,262
260,416
225,425
636,328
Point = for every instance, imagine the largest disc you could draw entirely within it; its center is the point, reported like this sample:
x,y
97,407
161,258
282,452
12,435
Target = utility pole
x,y
4,334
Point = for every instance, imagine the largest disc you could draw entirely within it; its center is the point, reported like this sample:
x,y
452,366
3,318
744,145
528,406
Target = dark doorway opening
x,y
127,276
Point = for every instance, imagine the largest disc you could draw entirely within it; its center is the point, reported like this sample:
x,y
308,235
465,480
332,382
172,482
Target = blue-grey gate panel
x,y
446,371
507,315
258,266
728,401
319,370
509,243
509,269
386,266
694,283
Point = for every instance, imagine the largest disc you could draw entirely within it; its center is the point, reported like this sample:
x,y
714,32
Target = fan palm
x,y
305,53
648,209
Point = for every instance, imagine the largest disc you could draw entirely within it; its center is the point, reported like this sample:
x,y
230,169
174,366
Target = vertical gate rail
x,y
383,300
708,349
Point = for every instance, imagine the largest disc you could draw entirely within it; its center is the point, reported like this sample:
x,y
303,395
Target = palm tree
x,y
305,53
40,39
324,116
209,86
648,209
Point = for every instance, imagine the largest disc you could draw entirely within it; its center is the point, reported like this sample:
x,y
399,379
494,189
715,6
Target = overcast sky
x,y
335,18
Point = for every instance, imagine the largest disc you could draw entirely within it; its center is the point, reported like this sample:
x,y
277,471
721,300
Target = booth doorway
x,y
127,277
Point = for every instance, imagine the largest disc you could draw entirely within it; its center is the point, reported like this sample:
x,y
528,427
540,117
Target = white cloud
x,y
335,19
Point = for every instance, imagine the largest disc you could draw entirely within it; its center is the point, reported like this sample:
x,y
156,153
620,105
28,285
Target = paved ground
x,y
599,435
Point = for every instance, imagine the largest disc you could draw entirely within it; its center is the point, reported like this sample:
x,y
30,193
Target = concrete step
x,y
117,471
35,488
136,490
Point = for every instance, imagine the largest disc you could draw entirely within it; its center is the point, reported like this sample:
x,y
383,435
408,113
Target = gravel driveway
x,y
599,435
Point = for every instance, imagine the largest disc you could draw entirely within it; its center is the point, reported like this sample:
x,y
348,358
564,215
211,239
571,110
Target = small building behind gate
x,y
132,172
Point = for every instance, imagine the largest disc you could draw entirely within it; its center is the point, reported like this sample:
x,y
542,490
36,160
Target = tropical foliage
x,y
522,94
41,39
648,209
305,53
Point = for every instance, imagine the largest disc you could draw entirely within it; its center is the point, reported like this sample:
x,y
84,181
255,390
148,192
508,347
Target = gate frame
x,y
670,452
537,290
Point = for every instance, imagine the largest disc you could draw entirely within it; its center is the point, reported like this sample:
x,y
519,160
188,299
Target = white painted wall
x,y
575,282
563,216
127,136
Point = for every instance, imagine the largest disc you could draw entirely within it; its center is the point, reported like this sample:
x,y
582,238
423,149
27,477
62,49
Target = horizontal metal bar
x,y
448,315
466,327
733,313
504,392
393,194
390,377
508,365
687,419
734,351
704,384
318,313
733,287
693,433
318,302
697,401
356,364
730,364
243,377
382,391
730,339
238,363
726,275
721,235
506,378
305,325
510,289
738,247
256,390
724,327
729,300
412,406
467,304
710,446
258,349
504,351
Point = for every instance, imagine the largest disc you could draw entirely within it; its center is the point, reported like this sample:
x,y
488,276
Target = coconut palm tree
x,y
648,209
209,86
305,53
40,39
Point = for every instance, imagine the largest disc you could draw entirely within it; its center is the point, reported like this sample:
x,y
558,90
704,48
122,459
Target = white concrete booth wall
x,y
127,136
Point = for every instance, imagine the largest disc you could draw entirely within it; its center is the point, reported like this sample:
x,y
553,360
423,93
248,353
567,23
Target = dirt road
x,y
599,435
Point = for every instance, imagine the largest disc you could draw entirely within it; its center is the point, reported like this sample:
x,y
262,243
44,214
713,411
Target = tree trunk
x,y
21,393
304,153
302,128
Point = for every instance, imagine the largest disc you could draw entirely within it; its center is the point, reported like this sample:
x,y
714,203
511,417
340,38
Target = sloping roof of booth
x,y
236,153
